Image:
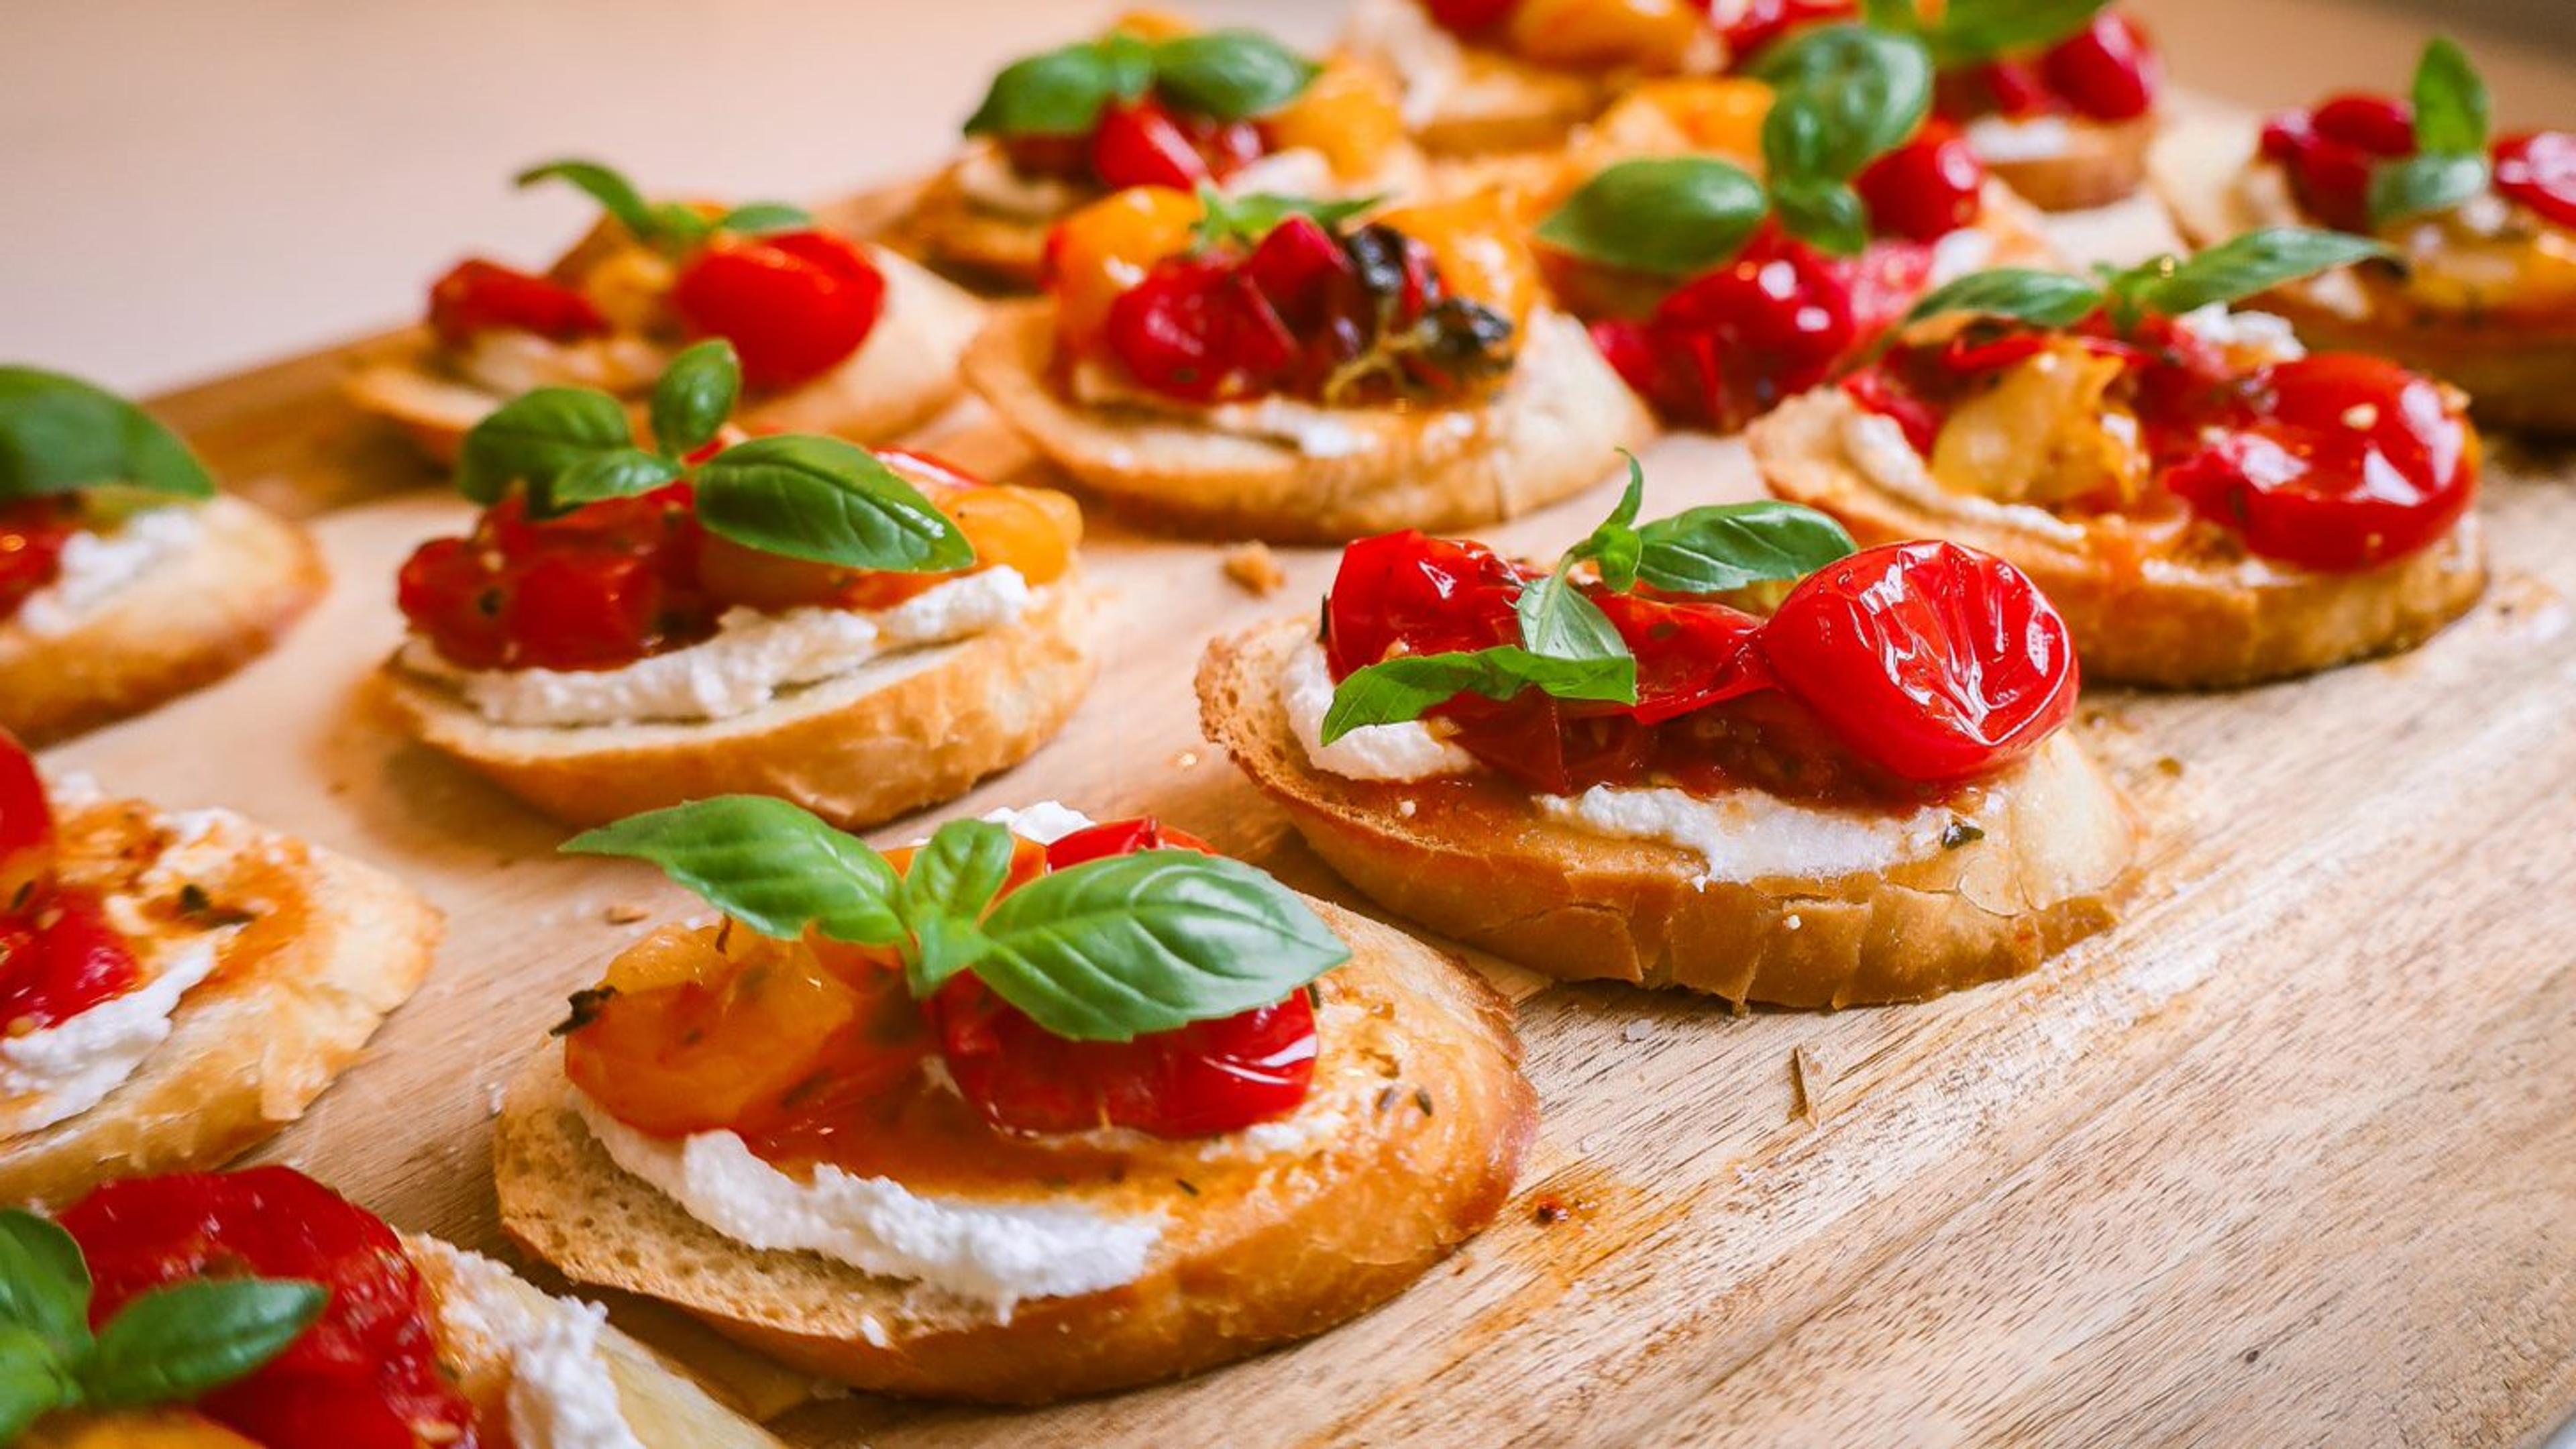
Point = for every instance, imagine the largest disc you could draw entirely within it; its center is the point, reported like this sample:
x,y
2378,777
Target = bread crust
x,y
1481,865
191,620
2170,622
1304,1240
855,755
2514,368
901,378
2104,162
950,230
1552,431
294,996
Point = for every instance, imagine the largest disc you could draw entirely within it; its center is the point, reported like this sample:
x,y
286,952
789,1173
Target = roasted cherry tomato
x,y
2107,70
1934,662
364,1376
1467,17
1426,595
2537,169
1690,653
2329,153
794,305
597,588
1731,345
26,828
1760,22
32,535
1196,329
1925,189
480,296
58,958
1123,837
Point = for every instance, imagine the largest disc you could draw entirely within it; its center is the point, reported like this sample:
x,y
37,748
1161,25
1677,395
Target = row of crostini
x,y
987,1117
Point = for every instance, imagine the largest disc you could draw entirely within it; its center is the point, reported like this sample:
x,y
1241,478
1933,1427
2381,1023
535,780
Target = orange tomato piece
x,y
1655,35
1106,248
1350,115
1479,248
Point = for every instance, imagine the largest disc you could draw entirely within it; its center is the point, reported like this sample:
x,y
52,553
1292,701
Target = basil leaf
x,y
695,395
2048,299
2241,267
761,218
179,1342
2426,183
1062,92
1828,215
826,501
1664,217
1613,546
1407,687
1247,219
33,1380
1230,75
619,474
945,892
1730,545
2451,116
1971,31
615,194
766,863
1113,949
535,437
1847,94
1559,622
44,1285
59,434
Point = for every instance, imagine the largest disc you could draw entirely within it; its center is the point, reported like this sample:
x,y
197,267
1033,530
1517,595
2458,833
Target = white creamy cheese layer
x,y
2262,332
750,660
561,1395
1406,751
2032,138
98,565
1402,36
1045,822
1747,835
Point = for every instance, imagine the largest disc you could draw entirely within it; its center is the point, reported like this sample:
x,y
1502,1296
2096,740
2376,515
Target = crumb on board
x,y
1254,567
624,913
1804,1078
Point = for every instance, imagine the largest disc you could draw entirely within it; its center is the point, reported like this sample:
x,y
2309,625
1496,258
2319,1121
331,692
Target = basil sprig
x,y
1245,220
1670,216
811,498
2165,285
2450,163
59,435
1569,649
670,225
1105,951
167,1346
1227,75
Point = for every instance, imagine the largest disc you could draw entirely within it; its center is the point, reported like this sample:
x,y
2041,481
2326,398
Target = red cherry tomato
x,y
479,296
1429,595
2107,70
1467,17
597,588
1142,145
1874,391
1122,837
1196,329
2380,125
26,828
795,305
1690,654
2355,461
365,1374
2538,170
58,958
32,535
1302,271
1926,189
1761,22
1934,662
2330,152
1733,344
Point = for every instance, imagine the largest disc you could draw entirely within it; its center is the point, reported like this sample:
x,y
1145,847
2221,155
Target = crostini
x,y
624,628
1155,102
2205,503
1280,369
836,336
176,988
1486,76
261,1310
1611,770
1038,1108
2478,283
126,580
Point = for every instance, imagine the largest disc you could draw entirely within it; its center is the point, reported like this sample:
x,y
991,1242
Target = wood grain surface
x,y
2287,1158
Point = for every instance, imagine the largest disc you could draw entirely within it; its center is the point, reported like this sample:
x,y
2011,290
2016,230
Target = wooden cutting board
x,y
2289,1157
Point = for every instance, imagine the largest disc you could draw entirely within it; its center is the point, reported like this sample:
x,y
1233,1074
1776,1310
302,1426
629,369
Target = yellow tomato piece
x,y
1720,115
1350,116
1654,35
1479,247
1106,248
1033,530
1153,25
2045,433
133,1429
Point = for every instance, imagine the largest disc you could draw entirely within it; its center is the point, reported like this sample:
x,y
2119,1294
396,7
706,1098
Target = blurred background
x,y
199,185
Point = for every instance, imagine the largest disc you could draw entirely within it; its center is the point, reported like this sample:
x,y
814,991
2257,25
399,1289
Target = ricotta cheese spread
x,y
561,1395
1747,835
2031,138
752,658
2261,332
1045,822
1405,751
98,565
1959,252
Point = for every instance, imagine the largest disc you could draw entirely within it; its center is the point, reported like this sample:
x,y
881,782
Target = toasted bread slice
x,y
951,231
2104,162
1479,863
901,378
1419,1117
903,731
2139,616
329,949
1552,431
185,622
2514,367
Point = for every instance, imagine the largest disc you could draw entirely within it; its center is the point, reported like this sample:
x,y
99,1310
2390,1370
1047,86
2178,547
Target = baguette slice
x,y
1552,431
2175,622
903,731
901,378
1478,863
946,227
332,948
2515,369
2104,162
1418,1088
185,623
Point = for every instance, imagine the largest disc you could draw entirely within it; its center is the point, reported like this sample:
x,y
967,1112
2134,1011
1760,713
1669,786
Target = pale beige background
x,y
194,185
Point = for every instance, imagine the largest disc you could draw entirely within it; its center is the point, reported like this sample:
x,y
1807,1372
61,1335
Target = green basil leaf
x,y
2241,267
535,438
2422,184
179,1342
1559,622
615,194
695,395
1665,217
1847,95
1406,687
44,1285
2451,114
762,218
1245,220
1230,75
1113,949
764,862
1896,17
1614,545
1828,215
34,1380
1062,92
2048,299
620,474
945,892
1971,31
59,434
826,501
1730,545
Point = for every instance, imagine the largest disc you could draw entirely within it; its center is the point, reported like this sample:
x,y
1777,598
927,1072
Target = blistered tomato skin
x,y
479,296
58,958
2107,71
794,305
1733,344
1925,189
26,827
32,536
1431,595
